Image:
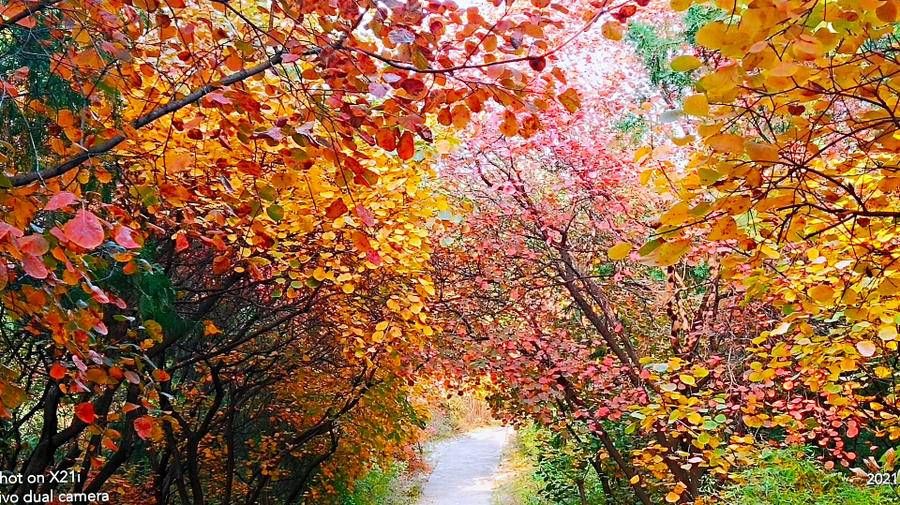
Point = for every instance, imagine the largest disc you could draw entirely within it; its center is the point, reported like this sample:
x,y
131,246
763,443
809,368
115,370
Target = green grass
x,y
390,486
522,486
789,477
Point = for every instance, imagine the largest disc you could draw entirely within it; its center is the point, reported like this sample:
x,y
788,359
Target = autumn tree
x,y
215,226
794,173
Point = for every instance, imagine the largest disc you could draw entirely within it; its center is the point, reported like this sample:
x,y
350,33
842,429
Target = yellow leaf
x,y
672,497
635,479
752,421
735,204
678,214
670,253
712,35
683,141
887,332
768,251
619,251
154,329
701,372
348,288
680,5
821,293
695,105
781,329
784,69
685,63
688,379
641,153
612,30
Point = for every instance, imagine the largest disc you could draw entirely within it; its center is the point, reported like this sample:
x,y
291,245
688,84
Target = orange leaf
x,y
612,30
570,100
27,22
360,241
234,62
726,143
336,209
509,126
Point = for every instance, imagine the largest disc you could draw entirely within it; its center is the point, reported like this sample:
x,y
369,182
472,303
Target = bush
x,y
553,470
789,477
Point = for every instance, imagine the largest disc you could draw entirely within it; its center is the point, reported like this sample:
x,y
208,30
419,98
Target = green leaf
x,y
275,211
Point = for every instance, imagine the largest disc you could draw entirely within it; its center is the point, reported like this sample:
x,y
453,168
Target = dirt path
x,y
465,468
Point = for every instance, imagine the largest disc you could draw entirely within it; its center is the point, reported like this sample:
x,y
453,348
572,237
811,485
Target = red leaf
x,y
537,64
627,11
407,148
365,215
35,245
373,257
57,372
6,229
26,22
336,209
386,138
35,267
413,86
60,200
181,242
143,426
366,178
85,412
289,58
249,168
85,230
124,238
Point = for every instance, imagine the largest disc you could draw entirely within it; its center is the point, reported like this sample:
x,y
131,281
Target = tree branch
x,y
175,105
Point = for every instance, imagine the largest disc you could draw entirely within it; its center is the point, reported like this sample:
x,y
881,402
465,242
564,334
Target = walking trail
x,y
466,468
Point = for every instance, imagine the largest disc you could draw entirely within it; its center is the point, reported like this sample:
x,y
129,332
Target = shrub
x,y
790,477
